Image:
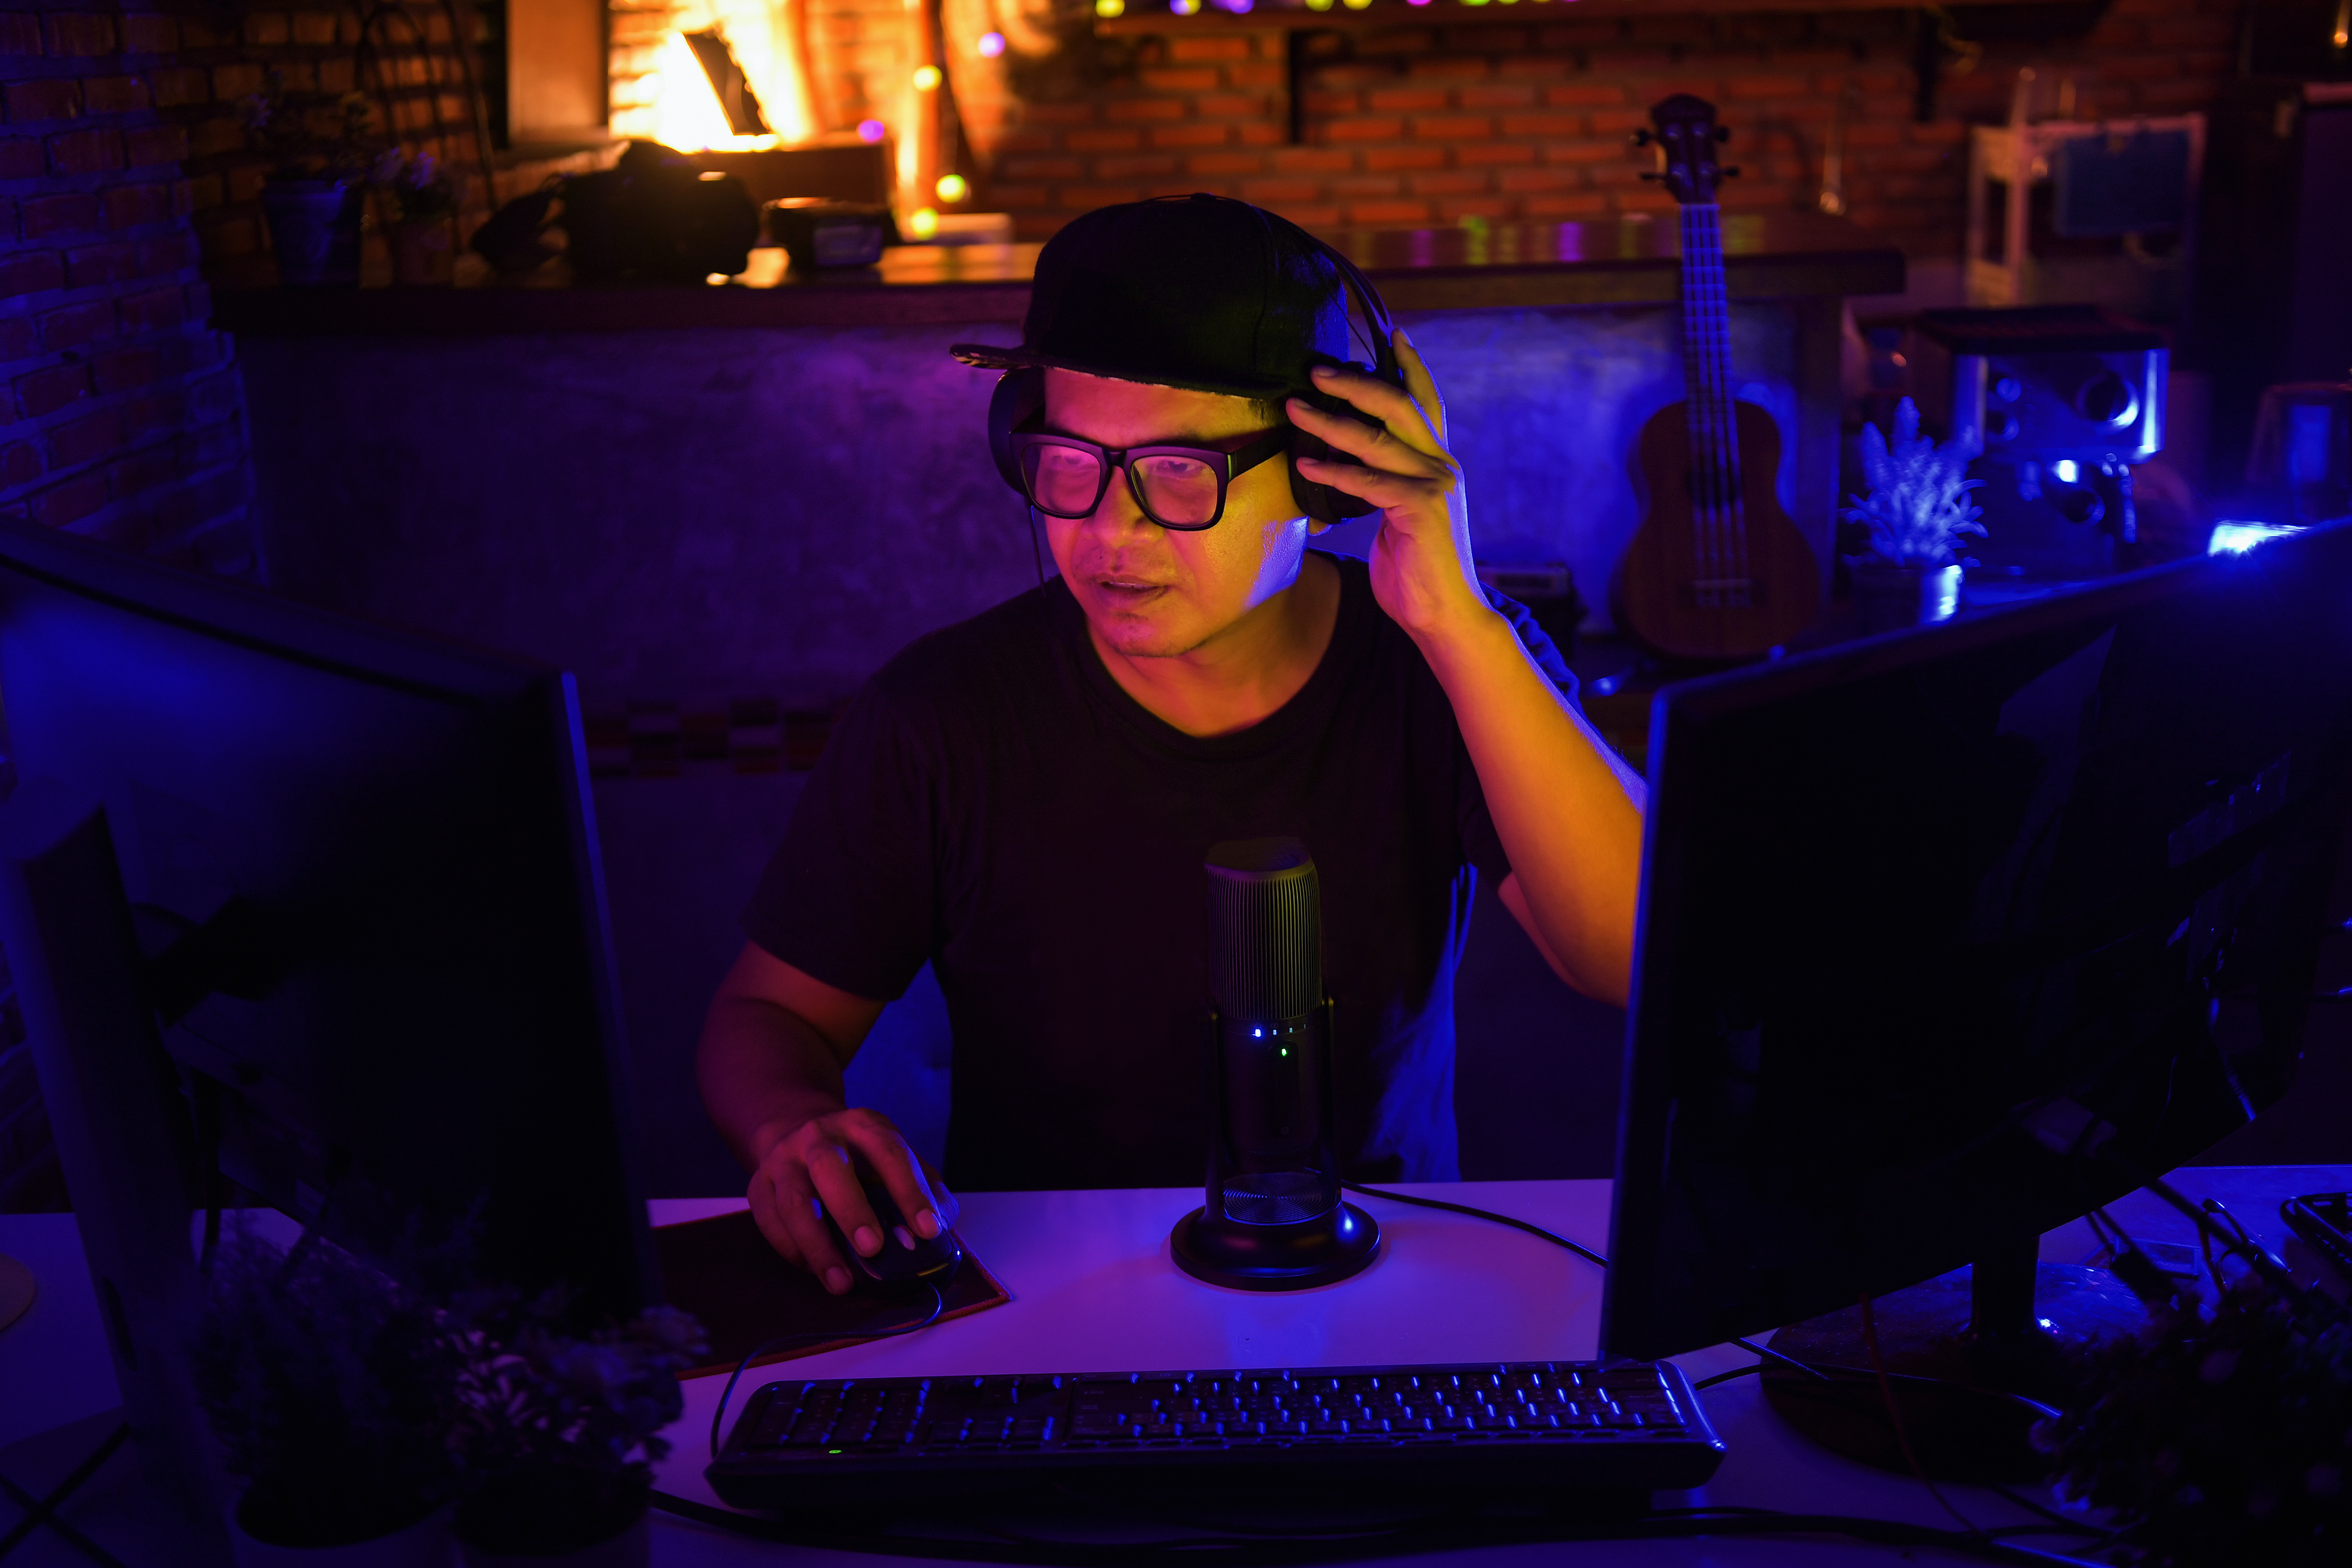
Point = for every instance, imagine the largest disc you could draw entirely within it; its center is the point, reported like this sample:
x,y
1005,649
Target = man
x,y
1024,800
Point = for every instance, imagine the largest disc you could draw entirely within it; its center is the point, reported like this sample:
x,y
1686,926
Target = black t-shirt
x,y
993,803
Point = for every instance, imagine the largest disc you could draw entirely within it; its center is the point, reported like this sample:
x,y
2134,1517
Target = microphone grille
x,y
1266,929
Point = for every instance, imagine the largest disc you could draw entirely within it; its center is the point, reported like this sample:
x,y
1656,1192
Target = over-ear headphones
x,y
1020,398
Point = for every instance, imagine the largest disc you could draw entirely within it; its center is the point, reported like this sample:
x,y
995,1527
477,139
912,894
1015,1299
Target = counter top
x,y
1623,261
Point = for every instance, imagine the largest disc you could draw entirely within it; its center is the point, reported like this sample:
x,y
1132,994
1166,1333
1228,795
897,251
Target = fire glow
x,y
685,111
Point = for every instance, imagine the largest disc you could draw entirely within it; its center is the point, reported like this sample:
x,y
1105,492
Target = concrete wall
x,y
695,516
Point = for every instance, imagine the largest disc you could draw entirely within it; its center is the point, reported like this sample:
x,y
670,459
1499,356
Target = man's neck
x,y
1246,671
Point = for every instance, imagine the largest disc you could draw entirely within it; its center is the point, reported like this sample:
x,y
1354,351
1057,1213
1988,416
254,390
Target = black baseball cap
x,y
1202,292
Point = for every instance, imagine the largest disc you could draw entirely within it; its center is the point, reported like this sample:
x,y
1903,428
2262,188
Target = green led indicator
x,y
833,1450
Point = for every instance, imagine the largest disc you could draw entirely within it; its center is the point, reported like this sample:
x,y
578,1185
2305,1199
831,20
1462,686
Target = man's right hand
x,y
814,1169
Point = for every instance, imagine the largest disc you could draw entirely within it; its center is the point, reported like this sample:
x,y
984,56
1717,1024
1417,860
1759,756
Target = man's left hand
x,y
1421,569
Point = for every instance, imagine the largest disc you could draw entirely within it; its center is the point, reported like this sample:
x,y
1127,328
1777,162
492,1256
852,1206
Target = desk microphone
x,y
1272,1220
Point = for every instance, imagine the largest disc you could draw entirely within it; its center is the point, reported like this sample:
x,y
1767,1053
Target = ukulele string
x,y
1702,330
1696,415
1728,514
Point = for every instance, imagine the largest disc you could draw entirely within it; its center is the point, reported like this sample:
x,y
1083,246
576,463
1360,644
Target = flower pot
x,y
633,1548
426,1544
314,229
1889,598
422,253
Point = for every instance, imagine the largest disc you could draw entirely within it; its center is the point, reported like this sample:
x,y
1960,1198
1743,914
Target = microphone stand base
x,y
1295,1257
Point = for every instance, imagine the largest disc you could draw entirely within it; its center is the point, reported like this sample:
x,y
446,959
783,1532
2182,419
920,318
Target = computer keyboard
x,y
1486,1426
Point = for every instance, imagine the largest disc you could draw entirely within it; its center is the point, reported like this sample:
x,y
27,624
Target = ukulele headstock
x,y
1687,140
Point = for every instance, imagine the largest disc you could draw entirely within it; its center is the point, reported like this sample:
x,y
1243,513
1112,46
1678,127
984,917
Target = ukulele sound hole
x,y
1723,592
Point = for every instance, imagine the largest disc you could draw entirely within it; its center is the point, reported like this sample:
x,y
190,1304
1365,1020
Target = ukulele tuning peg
x,y
1651,175
1642,139
1723,133
1729,171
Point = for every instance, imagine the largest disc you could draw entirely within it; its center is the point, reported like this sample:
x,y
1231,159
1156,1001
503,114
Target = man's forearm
x,y
1567,810
763,1070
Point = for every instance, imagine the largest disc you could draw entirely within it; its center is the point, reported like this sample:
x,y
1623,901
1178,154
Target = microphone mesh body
x,y
1265,930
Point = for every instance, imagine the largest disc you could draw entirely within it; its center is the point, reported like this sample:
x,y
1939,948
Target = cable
x,y
1446,1531
1894,1414
939,1305
1764,1352
43,1510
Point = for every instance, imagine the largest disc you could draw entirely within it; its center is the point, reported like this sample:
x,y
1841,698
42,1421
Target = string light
x,y
953,188
1318,5
926,78
923,223
991,45
1110,7
871,130
1355,4
1183,7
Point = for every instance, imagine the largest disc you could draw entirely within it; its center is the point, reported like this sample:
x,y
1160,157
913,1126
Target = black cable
x,y
1762,1352
43,1511
1747,1371
938,1306
1449,1531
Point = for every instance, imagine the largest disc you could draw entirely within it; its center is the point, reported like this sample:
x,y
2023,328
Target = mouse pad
x,y
723,1271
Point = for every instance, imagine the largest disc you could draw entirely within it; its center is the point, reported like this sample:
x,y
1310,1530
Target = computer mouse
x,y
905,1257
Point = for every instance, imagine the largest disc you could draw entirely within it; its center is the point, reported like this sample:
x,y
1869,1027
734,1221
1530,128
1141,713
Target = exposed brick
x,y
128,206
317,28
1496,97
1103,140
1231,105
151,311
22,158
78,152
74,325
20,464
1193,135
1184,51
16,338
75,444
163,411
125,370
20,33
1041,169
269,29
237,82
73,34
1365,128
1391,158
113,95
1133,109
1390,212
1136,166
1272,192
1215,163
45,392
137,472
1190,78
74,213
44,98
145,32
153,144
1446,183
177,87
1480,154
69,502
31,272
1452,128
1313,161
1405,100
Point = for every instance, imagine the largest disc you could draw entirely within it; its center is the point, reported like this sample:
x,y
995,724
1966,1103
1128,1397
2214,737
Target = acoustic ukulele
x,y
1716,570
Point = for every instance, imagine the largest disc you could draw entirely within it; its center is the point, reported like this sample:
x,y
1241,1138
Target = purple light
x,y
991,45
874,129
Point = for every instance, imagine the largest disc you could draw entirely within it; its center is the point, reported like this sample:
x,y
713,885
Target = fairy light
x,y
1318,5
927,77
991,45
1110,7
1355,4
923,223
871,130
953,188
1183,7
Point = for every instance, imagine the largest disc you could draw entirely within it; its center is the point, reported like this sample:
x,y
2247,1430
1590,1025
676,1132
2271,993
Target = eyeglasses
x,y
1181,487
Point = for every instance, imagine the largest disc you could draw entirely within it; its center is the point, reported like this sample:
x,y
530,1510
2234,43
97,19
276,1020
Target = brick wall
x,y
123,415
1529,118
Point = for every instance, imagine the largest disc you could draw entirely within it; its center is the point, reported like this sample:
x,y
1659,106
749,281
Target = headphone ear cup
x,y
1323,503
1019,397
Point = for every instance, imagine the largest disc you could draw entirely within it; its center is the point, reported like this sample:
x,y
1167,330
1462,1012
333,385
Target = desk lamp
x,y
1272,1220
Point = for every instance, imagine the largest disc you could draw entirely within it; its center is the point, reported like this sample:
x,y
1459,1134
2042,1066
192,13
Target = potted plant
x,y
331,1386
311,196
1918,513
2221,1435
556,1432
423,203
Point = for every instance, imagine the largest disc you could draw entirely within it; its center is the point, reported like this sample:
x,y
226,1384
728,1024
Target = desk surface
x,y
1093,1289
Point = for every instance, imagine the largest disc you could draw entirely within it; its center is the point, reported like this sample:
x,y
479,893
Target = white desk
x,y
1093,1289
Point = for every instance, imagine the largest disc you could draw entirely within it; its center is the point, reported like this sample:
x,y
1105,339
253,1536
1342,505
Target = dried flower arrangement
x,y
419,190
556,1434
1918,511
2220,1438
331,1386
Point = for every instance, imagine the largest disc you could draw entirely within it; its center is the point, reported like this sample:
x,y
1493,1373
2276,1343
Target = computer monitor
x,y
1950,935
360,869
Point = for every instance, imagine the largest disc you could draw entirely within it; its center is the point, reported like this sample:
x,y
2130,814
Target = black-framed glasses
x,y
1181,487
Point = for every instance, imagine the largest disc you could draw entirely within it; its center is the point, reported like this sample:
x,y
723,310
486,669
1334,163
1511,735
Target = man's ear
x,y
1315,526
